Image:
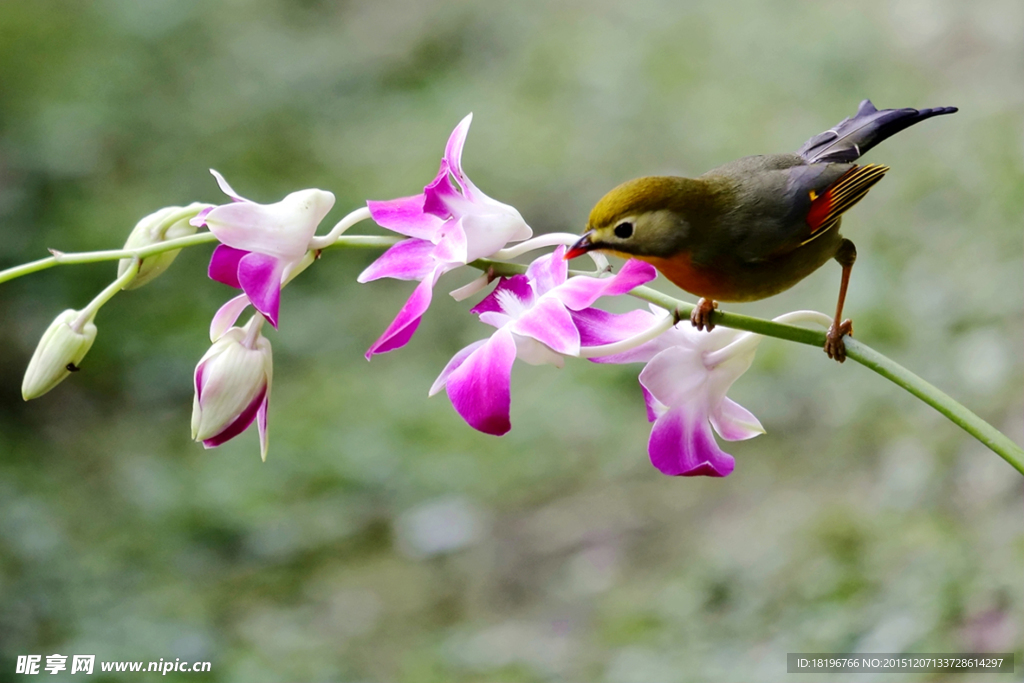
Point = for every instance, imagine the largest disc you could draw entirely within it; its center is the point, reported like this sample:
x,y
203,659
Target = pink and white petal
x,y
488,232
403,327
676,376
580,292
226,189
199,220
480,388
598,328
261,425
548,272
453,150
532,352
443,199
240,423
226,316
457,360
655,408
410,259
282,229
516,285
405,216
260,277
549,322
495,318
451,244
733,422
224,265
681,444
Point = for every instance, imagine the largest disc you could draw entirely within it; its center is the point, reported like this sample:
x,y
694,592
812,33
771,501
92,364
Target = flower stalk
x,y
970,422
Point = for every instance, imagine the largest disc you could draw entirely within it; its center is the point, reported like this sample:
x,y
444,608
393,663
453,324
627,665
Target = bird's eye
x,y
624,230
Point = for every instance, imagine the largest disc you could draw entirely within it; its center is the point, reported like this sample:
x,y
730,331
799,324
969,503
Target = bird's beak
x,y
582,246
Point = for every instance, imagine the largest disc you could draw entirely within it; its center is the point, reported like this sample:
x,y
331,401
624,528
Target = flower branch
x,y
970,422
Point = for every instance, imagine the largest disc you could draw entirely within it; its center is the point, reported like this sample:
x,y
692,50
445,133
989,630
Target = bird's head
x,y
641,217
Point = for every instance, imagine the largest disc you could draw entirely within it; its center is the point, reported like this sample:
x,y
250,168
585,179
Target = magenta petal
x,y
199,220
198,379
516,285
452,247
681,444
260,277
733,422
405,216
453,150
550,323
479,389
226,316
598,328
443,199
653,405
580,292
454,364
548,272
224,265
410,259
404,325
240,423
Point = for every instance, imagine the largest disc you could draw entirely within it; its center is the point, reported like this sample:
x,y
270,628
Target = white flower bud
x,y
58,354
168,223
232,383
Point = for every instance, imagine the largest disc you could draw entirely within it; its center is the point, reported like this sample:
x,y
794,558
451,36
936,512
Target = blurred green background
x,y
383,539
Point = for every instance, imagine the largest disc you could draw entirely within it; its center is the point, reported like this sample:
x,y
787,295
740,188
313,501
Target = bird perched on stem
x,y
755,226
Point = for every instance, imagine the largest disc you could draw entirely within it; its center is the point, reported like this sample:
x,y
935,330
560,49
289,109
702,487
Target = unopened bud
x,y
58,354
168,223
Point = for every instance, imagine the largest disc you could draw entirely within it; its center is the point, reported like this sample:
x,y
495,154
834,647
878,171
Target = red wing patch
x,y
827,208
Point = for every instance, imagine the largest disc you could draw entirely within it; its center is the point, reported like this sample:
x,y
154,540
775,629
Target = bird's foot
x,y
834,345
701,314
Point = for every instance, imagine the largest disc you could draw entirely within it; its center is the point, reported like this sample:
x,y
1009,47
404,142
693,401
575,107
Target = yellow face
x,y
641,217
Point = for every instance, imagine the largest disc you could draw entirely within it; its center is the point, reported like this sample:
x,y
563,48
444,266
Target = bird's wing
x,y
788,209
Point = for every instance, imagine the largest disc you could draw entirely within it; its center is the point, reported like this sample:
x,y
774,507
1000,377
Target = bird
x,y
753,227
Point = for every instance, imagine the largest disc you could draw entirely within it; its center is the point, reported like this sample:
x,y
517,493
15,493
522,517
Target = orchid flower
x,y
538,317
232,381
449,225
261,244
684,383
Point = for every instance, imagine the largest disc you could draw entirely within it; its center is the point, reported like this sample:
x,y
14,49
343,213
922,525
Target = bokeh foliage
x,y
384,539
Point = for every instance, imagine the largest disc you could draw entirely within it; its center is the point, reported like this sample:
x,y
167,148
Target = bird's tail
x,y
854,136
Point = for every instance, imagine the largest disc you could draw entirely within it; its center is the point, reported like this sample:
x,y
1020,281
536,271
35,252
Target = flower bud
x,y
168,223
58,354
232,382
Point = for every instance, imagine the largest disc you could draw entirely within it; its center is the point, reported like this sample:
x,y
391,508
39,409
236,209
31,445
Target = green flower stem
x,y
863,354
60,258
88,314
866,356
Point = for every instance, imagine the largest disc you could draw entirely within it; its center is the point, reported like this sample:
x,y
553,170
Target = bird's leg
x,y
701,314
834,346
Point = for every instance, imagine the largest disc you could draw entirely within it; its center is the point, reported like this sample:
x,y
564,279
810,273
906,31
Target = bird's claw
x,y
700,317
834,345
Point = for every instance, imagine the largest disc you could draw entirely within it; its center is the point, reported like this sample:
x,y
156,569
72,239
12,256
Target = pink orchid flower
x,y
261,243
538,316
232,382
687,375
449,225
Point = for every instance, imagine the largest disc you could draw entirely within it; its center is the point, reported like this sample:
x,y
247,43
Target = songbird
x,y
755,226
